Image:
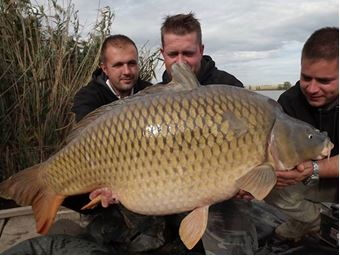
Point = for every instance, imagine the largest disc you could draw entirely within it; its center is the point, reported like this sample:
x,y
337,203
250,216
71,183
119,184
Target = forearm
x,y
329,168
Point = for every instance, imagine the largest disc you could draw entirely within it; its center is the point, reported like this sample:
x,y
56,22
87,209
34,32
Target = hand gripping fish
x,y
170,149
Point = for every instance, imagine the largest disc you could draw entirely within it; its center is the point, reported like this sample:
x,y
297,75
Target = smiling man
x,y
315,100
117,77
319,81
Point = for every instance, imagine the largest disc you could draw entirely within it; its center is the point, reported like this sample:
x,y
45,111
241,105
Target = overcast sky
x,y
257,41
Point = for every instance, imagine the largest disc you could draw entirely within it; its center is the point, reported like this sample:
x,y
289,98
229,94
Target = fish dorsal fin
x,y
259,181
183,79
193,226
182,75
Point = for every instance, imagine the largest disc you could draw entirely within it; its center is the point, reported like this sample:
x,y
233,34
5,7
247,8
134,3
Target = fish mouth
x,y
326,151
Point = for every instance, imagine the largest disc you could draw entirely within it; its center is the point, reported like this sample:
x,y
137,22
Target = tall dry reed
x,y
44,61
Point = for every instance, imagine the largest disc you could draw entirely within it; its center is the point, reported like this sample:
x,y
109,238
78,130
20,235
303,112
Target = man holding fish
x,y
315,100
117,78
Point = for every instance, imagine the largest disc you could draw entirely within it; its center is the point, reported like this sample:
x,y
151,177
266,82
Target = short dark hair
x,y
181,24
115,41
322,44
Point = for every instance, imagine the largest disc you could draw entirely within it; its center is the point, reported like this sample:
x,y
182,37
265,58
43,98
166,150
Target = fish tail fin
x,y
28,188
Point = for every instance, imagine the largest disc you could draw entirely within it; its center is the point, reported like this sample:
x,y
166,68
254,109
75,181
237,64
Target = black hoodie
x,y
209,74
97,93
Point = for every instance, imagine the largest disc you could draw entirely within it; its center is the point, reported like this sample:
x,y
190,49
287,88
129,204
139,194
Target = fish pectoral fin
x,y
93,203
259,181
45,210
193,226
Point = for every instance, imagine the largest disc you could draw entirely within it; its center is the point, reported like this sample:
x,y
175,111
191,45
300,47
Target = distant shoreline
x,y
274,94
266,89
280,87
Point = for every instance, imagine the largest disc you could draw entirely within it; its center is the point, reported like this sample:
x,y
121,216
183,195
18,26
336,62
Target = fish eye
x,y
310,136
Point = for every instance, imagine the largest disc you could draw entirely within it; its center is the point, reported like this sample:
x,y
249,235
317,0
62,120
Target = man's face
x,y
121,67
182,48
319,81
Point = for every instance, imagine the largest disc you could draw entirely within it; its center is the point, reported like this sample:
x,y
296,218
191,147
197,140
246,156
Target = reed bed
x,y
44,62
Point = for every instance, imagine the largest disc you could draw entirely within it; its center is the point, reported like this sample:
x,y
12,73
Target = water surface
x,y
274,94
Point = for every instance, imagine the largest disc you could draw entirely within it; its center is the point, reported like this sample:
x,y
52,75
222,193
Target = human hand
x,y
106,196
293,176
243,195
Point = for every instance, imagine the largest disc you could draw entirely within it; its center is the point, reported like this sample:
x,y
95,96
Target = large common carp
x,y
172,148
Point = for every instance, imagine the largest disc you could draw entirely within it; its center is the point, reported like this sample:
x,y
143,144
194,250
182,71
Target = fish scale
x,y
169,149
179,139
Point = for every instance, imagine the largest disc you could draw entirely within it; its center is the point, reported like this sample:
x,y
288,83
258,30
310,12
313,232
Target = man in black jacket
x,y
315,100
117,77
181,37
